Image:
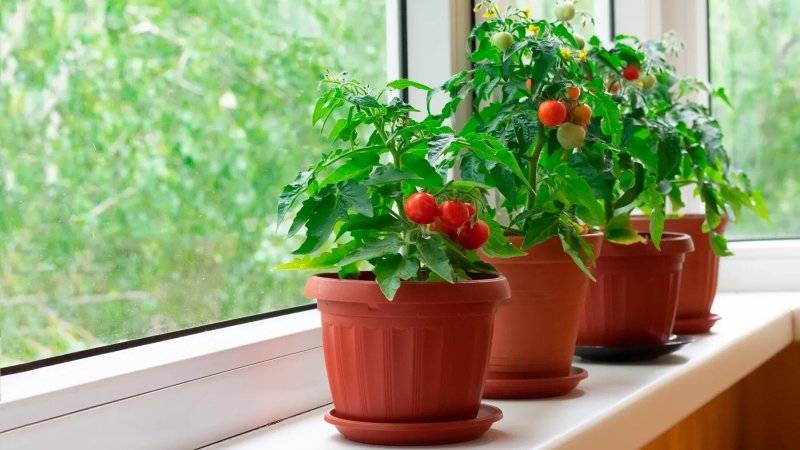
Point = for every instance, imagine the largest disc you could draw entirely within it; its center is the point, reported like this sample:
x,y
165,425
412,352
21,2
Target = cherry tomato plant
x,y
377,197
537,97
659,111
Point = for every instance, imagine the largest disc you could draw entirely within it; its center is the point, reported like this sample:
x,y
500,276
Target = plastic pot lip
x,y
686,223
329,287
693,217
548,252
671,244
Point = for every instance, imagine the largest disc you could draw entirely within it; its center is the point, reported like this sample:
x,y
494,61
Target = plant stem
x,y
533,169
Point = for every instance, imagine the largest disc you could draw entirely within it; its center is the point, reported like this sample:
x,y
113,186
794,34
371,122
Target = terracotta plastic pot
x,y
700,272
535,331
421,357
636,295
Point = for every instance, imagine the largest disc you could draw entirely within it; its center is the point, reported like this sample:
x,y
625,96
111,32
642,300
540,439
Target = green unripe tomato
x,y
570,135
579,40
565,11
648,81
503,40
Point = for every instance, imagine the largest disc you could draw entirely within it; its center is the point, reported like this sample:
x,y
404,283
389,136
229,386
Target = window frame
x,y
214,384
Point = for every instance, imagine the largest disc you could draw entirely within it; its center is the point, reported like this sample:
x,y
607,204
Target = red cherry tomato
x,y
552,113
473,236
471,209
439,227
453,214
631,73
421,208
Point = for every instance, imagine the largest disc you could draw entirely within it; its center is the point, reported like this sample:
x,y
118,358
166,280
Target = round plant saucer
x,y
421,433
520,388
631,353
693,325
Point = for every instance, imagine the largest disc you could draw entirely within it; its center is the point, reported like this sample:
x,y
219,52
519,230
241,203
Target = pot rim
x,y
550,251
328,286
671,244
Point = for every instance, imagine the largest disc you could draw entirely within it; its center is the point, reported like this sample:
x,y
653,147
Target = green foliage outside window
x,y
143,145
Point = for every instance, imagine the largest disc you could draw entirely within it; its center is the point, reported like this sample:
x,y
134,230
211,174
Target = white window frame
x,y
195,390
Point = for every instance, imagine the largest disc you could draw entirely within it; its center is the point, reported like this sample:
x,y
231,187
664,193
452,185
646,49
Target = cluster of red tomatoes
x,y
571,117
451,218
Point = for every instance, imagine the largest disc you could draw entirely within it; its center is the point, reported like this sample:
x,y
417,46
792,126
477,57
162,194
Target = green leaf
x,y
388,174
539,228
404,83
355,197
374,248
576,191
356,168
328,208
498,245
324,261
363,101
416,163
321,223
488,148
719,245
432,254
601,182
391,270
440,144
291,191
577,249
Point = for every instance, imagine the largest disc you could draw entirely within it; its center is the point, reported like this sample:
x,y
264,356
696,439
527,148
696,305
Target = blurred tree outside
x,y
755,54
143,144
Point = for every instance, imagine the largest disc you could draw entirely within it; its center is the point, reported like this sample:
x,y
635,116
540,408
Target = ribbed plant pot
x,y
535,331
421,357
700,273
636,295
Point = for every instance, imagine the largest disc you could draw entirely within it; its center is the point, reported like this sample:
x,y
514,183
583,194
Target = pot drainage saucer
x,y
692,325
421,433
533,387
631,353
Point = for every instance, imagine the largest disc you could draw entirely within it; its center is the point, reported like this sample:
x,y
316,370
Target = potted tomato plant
x,y
705,165
629,162
406,344
530,93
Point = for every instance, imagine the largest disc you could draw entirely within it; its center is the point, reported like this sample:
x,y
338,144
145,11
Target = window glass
x,y
755,54
143,144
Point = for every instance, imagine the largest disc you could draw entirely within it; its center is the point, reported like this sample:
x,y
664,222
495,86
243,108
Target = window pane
x,y
143,144
755,54
598,9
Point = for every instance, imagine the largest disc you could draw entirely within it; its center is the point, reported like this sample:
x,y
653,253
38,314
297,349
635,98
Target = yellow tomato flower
x,y
582,55
533,29
490,13
565,52
527,11
476,8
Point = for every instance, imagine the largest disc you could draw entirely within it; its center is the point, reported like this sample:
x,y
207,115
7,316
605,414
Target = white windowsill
x,y
618,406
266,371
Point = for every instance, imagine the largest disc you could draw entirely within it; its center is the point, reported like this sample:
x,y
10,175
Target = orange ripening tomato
x,y
573,92
529,84
582,114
